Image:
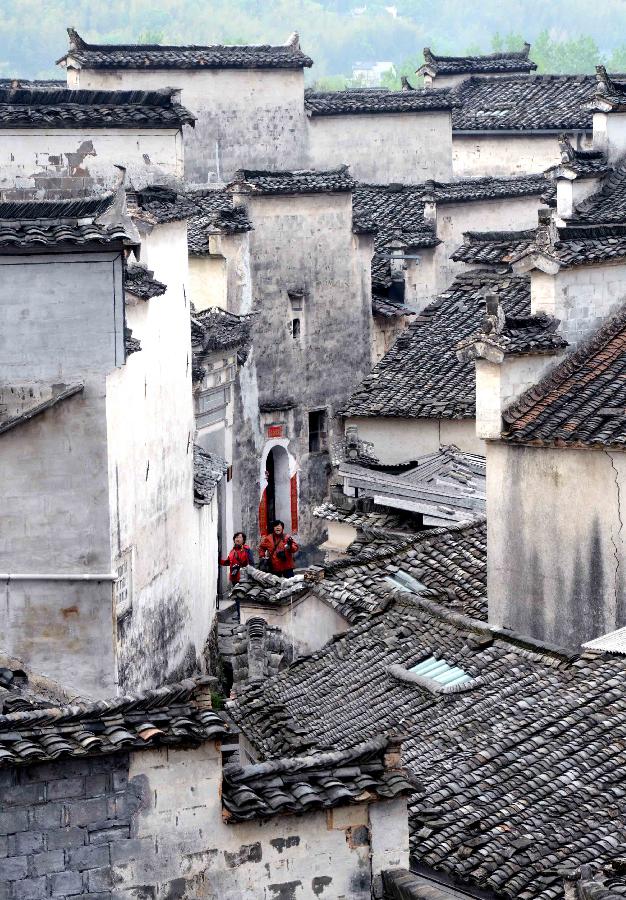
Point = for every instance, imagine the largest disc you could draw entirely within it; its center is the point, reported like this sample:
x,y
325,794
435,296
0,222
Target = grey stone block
x,y
47,816
29,889
106,835
25,842
96,784
66,787
66,883
13,867
13,820
89,857
47,863
100,879
60,838
126,851
120,780
88,812
24,794
4,846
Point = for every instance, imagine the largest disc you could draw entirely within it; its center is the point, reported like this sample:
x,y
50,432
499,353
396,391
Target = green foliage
x,y
566,34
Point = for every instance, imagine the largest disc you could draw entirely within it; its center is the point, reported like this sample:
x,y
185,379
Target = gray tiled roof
x,y
492,248
58,108
524,103
320,781
34,223
140,281
160,204
156,56
517,335
420,376
582,401
305,181
215,213
357,101
208,471
512,61
516,772
450,562
165,716
606,206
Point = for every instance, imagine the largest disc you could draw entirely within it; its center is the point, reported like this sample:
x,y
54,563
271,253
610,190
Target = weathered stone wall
x,y
299,243
246,118
507,154
170,545
149,824
395,147
553,573
77,161
397,440
63,323
582,297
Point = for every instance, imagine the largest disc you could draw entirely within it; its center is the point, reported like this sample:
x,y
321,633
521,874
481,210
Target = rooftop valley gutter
x,y
70,576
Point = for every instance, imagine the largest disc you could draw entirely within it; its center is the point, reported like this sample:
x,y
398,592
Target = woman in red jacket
x,y
279,550
238,558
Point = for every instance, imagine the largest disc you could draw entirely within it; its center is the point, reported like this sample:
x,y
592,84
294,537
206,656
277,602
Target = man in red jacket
x,y
279,550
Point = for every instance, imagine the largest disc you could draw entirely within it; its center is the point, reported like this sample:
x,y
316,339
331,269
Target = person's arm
x,y
225,562
292,545
263,546
250,557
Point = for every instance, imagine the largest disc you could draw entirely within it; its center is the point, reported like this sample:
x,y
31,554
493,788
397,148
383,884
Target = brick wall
x,y
63,825
148,826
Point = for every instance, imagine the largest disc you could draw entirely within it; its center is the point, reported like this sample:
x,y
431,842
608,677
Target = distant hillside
x,y
567,35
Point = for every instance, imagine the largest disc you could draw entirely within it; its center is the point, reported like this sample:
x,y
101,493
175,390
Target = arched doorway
x,y
279,497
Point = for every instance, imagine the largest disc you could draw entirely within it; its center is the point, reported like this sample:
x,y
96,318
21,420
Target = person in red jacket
x,y
279,550
238,558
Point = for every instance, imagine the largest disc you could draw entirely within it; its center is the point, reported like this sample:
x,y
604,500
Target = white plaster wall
x,y
556,545
66,161
62,323
246,118
609,134
307,621
489,153
421,278
340,536
394,147
384,334
453,219
397,440
182,844
581,297
207,282
498,385
151,427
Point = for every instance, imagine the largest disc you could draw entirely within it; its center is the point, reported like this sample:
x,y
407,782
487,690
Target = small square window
x,y
318,435
295,330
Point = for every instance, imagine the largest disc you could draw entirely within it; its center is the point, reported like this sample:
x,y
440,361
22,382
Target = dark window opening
x,y
295,329
318,436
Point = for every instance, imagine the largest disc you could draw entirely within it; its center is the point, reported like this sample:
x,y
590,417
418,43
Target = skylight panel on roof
x,y
440,671
405,582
